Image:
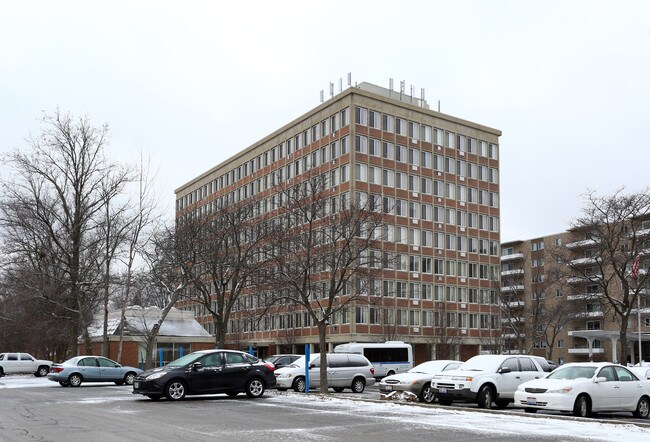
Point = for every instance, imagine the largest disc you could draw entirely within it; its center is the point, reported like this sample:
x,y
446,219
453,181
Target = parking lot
x,y
37,409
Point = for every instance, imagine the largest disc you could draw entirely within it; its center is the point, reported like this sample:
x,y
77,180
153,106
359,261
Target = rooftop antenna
x,y
402,85
322,96
340,84
331,89
438,105
349,78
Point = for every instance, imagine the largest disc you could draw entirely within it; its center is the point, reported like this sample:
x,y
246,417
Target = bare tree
x,y
162,257
612,225
141,219
325,252
221,259
51,210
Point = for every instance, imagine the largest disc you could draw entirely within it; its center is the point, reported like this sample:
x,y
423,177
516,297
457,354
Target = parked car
x,y
343,371
282,360
75,371
207,372
23,363
586,388
417,380
642,373
485,379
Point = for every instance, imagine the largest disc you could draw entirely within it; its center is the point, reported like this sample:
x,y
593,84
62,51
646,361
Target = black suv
x,y
207,372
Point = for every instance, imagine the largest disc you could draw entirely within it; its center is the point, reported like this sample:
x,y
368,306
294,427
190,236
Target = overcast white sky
x,y
194,82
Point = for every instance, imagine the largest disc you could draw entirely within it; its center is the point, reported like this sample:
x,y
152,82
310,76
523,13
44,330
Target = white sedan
x,y
586,388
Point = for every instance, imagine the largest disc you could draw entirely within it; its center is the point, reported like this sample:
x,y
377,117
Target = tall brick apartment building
x,y
436,175
553,298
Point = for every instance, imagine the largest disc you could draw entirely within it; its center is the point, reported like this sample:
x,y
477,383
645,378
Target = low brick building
x,y
179,334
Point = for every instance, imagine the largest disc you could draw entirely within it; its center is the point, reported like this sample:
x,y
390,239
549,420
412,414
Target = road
x,y
106,412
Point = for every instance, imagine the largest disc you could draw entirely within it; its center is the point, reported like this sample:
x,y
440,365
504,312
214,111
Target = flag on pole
x,y
635,266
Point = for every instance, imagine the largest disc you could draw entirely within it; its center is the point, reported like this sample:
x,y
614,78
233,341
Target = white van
x,y
388,358
343,371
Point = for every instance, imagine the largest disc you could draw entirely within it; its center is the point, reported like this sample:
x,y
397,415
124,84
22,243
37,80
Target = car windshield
x,y
272,359
185,360
573,372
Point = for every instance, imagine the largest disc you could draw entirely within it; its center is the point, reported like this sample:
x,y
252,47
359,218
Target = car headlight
x,y
157,375
285,375
462,378
560,390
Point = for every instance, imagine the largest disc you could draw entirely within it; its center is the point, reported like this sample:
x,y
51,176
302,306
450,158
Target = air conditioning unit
x,y
463,331
416,248
416,329
461,153
461,178
414,168
439,173
415,194
414,141
438,147
463,305
414,221
416,302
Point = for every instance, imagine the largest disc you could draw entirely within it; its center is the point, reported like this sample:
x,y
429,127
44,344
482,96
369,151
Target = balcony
x,y
512,272
581,279
513,335
512,257
585,351
512,288
584,244
515,304
516,320
584,261
583,296
588,315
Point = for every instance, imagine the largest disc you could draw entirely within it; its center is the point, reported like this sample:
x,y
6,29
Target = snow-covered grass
x,y
511,423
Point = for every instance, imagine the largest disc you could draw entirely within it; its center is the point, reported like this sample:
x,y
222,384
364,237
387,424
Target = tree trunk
x,y
322,343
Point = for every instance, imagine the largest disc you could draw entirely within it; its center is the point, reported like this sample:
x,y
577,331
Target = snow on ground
x,y
564,427
494,423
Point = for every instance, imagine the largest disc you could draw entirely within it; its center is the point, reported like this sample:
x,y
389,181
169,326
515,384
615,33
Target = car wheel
x,y
75,380
642,408
502,403
427,395
581,407
255,388
485,397
129,378
444,401
42,371
390,373
338,389
2,372
64,384
232,393
153,397
299,385
175,390
530,410
358,385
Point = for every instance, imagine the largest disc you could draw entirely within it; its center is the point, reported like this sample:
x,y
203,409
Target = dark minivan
x,y
207,372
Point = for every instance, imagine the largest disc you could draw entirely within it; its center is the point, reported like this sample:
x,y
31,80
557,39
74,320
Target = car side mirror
x,y
196,366
504,370
600,379
312,365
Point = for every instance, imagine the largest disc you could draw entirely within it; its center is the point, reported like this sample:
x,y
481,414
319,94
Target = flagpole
x,y
635,275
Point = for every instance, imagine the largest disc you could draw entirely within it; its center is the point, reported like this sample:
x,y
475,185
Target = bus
x,y
387,358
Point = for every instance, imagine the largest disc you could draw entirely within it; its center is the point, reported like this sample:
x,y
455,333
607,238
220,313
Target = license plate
x,y
386,388
531,401
136,384
442,390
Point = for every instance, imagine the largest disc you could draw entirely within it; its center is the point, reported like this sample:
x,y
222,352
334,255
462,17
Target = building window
x,y
361,116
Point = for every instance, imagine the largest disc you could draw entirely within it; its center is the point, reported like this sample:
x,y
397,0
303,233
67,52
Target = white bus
x,y
387,358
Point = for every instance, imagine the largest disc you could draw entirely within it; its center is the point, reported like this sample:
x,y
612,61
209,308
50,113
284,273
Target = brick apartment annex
x,y
437,175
